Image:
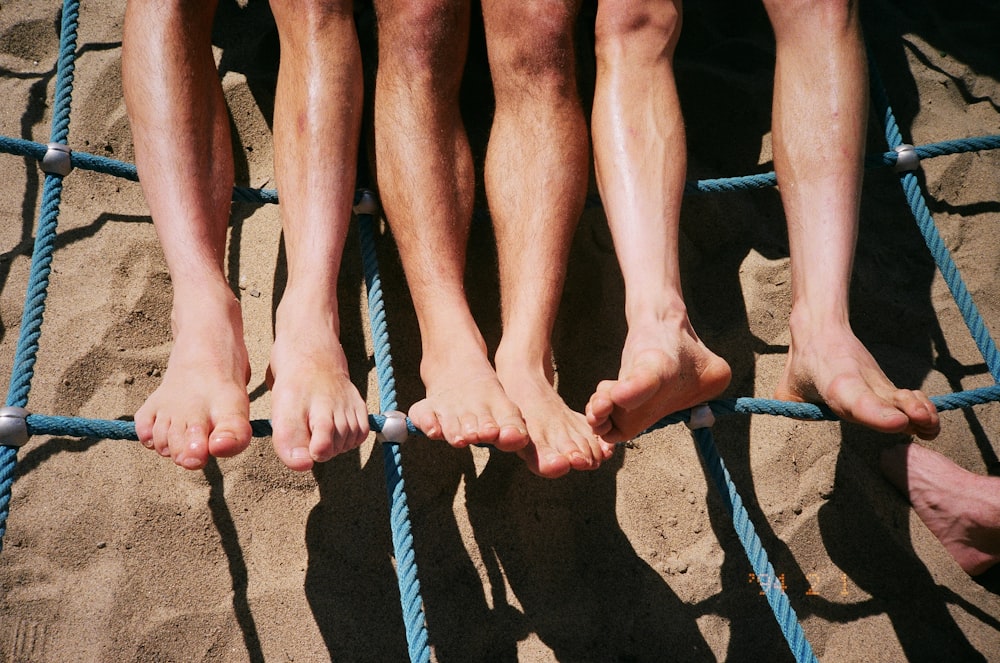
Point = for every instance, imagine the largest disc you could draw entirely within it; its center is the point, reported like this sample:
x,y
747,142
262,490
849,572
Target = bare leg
x,y
820,82
640,159
317,412
425,176
536,182
960,508
172,89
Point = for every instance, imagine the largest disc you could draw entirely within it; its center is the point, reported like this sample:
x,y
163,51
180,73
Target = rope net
x,y
58,161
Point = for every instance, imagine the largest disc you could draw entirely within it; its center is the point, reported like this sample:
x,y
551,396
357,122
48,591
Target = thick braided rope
x,y
115,429
45,239
124,170
39,424
399,517
935,243
788,621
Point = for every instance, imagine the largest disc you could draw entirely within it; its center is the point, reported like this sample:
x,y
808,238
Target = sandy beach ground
x,y
114,554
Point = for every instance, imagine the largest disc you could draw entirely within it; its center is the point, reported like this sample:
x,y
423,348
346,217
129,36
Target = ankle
x,y
298,316
805,323
451,353
206,309
519,363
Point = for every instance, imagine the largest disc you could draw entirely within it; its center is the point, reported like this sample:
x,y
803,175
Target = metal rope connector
x,y
394,428
57,160
367,203
701,417
907,158
13,426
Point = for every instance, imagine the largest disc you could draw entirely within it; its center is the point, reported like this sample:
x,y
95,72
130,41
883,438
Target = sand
x,y
114,554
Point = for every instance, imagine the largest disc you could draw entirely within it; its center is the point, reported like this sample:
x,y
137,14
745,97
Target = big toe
x,y
546,463
513,435
925,422
291,444
877,413
230,436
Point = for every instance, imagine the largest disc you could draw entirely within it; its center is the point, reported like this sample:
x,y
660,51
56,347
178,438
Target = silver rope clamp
x,y
701,417
13,426
57,160
907,158
367,203
394,428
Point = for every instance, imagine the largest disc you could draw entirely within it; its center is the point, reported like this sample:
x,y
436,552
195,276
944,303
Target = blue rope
x,y
783,612
122,169
45,239
942,257
100,164
411,601
118,429
114,429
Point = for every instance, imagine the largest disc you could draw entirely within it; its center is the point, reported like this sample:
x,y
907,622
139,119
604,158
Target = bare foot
x,y
960,508
833,367
561,439
465,403
664,369
316,411
201,408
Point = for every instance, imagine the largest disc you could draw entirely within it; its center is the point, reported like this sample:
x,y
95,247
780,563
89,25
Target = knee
x,y
421,37
532,45
792,17
195,15
643,30
306,14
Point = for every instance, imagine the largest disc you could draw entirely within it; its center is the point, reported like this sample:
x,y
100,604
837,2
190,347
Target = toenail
x,y
299,453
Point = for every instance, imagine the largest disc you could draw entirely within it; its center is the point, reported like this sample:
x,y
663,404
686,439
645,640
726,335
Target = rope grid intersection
x,y
402,538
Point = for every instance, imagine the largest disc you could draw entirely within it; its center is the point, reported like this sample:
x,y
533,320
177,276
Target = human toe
x,y
600,405
355,431
189,445
925,422
459,432
546,463
323,440
581,462
875,412
296,457
144,429
230,436
512,434
426,420
291,445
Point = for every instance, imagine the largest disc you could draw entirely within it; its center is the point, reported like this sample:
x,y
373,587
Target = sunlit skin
x,y
960,508
536,178
172,88
820,80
